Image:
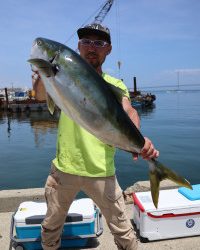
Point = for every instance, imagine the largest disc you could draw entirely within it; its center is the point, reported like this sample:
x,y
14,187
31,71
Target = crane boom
x,y
103,12
99,17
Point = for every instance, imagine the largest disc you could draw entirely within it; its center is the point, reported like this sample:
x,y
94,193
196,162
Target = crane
x,y
104,9
103,12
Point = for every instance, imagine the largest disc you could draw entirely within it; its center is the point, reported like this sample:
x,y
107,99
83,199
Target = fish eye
x,y
39,42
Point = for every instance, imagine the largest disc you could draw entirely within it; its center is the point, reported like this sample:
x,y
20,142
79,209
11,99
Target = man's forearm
x,y
132,113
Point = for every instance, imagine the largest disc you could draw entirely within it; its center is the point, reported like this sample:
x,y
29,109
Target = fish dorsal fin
x,y
118,92
50,104
44,66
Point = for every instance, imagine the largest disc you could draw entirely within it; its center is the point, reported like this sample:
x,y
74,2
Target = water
x,y
174,127
28,143
27,147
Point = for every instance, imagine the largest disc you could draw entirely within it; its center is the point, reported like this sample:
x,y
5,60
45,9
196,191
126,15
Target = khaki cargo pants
x,y
60,191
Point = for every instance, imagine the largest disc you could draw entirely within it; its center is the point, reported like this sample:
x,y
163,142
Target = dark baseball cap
x,y
96,29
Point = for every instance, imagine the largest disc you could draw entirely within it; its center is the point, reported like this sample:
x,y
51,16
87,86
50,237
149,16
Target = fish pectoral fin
x,y
158,173
47,68
50,104
119,93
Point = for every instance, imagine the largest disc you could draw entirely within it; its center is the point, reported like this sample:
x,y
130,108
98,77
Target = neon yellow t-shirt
x,y
81,153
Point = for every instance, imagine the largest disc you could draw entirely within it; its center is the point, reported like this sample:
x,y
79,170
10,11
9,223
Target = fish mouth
x,y
42,56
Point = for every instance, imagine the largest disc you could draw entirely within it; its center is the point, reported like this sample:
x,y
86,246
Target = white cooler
x,y
178,214
83,222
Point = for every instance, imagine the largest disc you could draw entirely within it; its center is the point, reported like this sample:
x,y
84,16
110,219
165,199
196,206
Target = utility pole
x,y
178,74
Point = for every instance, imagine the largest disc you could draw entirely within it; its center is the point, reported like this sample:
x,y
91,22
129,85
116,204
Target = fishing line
x,y
118,38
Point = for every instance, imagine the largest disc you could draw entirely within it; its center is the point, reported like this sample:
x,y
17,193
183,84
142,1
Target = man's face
x,y
94,55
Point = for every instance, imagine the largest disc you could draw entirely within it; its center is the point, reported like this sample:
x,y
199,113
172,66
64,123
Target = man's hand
x,y
35,77
38,86
148,151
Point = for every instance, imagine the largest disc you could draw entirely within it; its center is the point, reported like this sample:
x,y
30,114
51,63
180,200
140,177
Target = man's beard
x,y
95,65
93,60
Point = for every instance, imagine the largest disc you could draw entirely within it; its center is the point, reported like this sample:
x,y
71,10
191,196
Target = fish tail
x,y
159,172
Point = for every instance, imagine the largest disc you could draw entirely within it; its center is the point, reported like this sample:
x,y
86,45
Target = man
x,y
85,163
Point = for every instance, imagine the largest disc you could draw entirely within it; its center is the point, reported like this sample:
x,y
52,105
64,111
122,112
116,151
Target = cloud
x,y
188,71
187,76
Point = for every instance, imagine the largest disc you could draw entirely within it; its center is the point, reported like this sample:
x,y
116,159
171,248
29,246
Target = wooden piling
x,y
135,84
7,101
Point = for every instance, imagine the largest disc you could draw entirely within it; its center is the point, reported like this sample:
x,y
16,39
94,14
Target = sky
x,y
158,41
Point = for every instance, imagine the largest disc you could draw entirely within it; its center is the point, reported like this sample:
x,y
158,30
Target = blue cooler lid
x,y
192,195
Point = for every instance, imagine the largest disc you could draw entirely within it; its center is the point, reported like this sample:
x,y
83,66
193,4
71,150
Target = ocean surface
x,y
28,142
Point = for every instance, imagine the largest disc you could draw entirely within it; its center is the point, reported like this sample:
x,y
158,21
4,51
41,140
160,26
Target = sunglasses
x,y
96,43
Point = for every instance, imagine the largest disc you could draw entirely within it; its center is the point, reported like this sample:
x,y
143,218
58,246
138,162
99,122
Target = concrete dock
x,y
10,200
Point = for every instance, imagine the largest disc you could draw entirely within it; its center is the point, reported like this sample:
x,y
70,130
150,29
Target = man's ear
x,y
109,49
79,45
